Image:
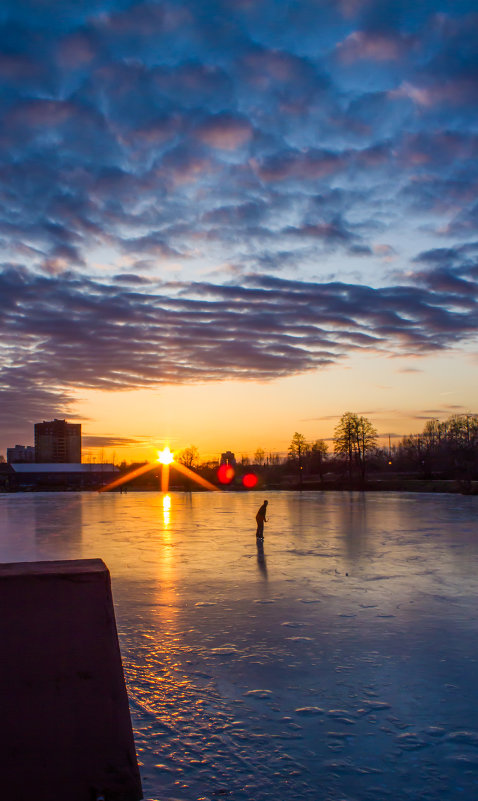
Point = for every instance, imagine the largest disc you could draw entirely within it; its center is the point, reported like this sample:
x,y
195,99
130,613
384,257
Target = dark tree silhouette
x,y
259,456
189,457
298,449
354,438
318,454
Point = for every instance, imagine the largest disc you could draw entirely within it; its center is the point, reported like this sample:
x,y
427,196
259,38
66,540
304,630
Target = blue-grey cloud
x,y
64,332
104,441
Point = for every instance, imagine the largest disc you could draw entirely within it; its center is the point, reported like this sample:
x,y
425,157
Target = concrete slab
x,y
65,723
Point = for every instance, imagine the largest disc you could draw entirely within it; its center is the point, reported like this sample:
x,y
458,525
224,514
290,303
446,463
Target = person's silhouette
x,y
261,519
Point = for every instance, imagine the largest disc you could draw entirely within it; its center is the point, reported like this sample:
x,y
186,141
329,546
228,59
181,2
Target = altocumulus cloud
x,y
120,119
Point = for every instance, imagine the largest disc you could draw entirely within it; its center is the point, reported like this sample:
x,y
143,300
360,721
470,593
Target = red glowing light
x,y
249,480
225,474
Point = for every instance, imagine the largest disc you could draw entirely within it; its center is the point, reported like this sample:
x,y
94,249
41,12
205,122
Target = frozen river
x,y
340,663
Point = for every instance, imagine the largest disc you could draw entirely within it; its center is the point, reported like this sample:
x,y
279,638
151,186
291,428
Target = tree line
x,y
443,450
443,447
355,438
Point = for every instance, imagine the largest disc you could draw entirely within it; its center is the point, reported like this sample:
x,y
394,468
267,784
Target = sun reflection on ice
x,y
166,510
167,593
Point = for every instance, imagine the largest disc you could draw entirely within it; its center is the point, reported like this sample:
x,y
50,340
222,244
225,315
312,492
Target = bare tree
x,y
450,445
298,449
462,446
354,438
259,456
344,439
366,441
189,457
318,452
298,446
462,429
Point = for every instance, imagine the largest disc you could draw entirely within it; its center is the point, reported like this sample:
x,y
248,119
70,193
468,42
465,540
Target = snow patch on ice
x,y
309,710
259,694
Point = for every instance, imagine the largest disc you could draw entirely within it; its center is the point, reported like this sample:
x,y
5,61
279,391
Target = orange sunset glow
x,y
166,459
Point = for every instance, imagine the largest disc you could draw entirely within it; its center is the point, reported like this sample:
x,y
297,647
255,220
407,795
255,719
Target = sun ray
x,y
198,479
128,477
166,458
164,478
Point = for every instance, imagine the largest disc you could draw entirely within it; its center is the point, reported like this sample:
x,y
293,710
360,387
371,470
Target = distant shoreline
x,y
448,486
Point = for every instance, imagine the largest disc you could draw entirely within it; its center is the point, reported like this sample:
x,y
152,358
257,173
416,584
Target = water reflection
x,y
354,526
19,519
166,510
166,585
60,526
261,559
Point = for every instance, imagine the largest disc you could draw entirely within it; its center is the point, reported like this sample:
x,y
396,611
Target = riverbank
x,y
449,486
385,485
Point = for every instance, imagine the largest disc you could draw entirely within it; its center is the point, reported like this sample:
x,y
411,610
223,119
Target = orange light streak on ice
x,y
198,479
164,478
166,458
128,477
166,511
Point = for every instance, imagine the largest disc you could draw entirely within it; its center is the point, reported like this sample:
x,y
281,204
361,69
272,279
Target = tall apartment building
x,y
58,441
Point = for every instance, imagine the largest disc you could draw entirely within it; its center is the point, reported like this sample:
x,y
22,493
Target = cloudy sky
x,y
222,222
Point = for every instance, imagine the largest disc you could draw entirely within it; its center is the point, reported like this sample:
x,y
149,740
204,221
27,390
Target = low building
x,y
21,453
228,458
57,476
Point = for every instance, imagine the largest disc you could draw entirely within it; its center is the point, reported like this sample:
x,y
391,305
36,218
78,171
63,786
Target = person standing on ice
x,y
261,519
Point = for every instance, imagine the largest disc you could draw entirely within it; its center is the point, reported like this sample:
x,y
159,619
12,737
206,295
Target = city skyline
x,y
221,225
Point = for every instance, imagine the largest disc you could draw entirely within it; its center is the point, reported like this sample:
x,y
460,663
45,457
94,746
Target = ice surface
x,y
338,662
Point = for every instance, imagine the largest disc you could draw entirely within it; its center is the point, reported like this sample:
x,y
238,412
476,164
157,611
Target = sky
x,y
224,222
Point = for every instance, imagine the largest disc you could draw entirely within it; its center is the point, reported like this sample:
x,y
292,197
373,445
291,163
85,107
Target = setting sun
x,y
165,456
